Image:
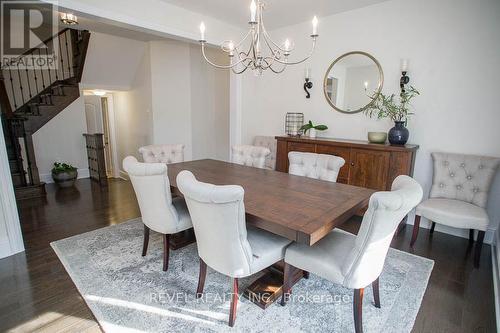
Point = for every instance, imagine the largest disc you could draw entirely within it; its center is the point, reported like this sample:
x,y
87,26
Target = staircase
x,y
31,97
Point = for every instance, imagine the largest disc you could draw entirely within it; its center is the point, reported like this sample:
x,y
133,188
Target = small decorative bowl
x,y
377,137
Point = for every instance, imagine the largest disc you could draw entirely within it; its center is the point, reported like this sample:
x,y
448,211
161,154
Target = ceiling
x,y
278,13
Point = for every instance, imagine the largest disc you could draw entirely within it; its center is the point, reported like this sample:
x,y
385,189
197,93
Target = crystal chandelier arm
x,y
270,66
300,61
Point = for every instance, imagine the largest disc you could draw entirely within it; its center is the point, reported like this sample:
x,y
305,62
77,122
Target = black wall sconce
x,y
308,84
404,78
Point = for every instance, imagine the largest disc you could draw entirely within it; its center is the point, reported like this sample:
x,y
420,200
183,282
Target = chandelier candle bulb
x,y
202,31
253,11
315,26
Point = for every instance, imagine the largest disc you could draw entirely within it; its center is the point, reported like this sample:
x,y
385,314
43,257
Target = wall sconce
x,y
308,84
69,19
404,78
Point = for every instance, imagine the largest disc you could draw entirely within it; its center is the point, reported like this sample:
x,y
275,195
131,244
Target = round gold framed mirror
x,y
353,82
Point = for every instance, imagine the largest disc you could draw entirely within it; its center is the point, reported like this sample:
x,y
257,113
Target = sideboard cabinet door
x,y
369,168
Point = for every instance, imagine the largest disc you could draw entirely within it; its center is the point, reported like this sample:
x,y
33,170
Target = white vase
x,y
312,133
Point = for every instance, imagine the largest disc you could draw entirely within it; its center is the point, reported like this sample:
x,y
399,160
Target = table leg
x,y
268,288
182,239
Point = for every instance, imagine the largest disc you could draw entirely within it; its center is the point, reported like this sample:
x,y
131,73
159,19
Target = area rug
x,y
130,293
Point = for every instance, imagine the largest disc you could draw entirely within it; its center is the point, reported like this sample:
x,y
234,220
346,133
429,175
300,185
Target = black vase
x,y
399,134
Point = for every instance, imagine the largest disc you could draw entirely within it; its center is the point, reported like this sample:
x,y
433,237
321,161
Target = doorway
x,y
100,119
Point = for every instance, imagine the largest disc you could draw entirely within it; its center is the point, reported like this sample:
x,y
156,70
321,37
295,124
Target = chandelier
x,y
263,53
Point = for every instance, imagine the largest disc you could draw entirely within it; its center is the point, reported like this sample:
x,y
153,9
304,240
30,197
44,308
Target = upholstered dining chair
x,y
459,195
249,155
224,242
357,261
270,143
159,211
168,153
317,166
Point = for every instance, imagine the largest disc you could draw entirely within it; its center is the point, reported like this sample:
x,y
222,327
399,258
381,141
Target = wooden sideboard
x,y
368,165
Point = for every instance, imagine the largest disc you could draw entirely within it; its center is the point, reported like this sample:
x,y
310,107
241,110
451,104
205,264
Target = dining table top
x,y
299,208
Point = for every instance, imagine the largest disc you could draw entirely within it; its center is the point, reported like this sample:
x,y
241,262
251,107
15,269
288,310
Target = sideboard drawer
x,y
303,147
343,152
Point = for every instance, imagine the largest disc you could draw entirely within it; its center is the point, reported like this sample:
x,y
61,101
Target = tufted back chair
x,y
385,211
463,177
162,153
152,188
250,155
218,216
317,166
270,143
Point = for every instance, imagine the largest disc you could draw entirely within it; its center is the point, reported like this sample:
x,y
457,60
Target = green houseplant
x,y
313,128
396,109
64,174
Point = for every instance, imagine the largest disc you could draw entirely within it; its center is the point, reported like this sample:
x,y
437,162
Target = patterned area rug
x,y
130,293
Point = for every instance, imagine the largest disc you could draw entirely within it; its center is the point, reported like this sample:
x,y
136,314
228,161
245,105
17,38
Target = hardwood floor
x,y
36,294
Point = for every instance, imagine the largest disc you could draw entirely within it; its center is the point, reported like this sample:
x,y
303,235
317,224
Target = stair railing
x,y
29,84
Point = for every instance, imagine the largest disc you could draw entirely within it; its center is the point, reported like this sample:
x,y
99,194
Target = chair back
x,y
270,143
218,216
162,153
152,189
386,210
317,166
250,155
463,177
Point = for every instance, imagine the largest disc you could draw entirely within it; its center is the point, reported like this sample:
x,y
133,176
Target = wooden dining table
x,y
301,209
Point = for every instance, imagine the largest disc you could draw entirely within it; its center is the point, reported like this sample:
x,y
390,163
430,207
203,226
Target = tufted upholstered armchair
x,y
250,155
159,211
224,242
270,143
317,166
459,195
162,153
357,261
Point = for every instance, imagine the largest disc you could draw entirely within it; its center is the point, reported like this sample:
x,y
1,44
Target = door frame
x,y
112,134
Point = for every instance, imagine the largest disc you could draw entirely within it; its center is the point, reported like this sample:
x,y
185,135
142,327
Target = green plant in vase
x,y
309,127
64,174
396,109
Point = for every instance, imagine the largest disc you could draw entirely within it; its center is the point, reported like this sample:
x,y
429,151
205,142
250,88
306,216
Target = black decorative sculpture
x,y
308,85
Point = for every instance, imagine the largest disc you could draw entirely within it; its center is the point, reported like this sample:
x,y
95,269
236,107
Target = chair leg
x,y
287,280
471,236
234,303
416,226
479,246
146,241
166,244
358,310
376,293
201,278
433,225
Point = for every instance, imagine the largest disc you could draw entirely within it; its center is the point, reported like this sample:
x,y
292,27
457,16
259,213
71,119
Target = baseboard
x,y
124,175
47,177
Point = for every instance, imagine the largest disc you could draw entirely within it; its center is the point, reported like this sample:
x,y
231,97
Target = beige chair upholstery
x,y
159,211
356,261
270,143
250,155
162,153
224,242
459,194
317,166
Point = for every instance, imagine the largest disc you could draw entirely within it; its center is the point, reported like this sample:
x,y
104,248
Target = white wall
x,y
454,61
133,112
61,140
111,62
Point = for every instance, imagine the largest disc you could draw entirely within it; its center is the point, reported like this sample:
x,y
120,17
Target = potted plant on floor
x,y
312,128
64,174
398,111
